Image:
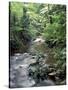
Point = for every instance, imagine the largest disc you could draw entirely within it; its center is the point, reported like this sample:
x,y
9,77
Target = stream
x,y
19,67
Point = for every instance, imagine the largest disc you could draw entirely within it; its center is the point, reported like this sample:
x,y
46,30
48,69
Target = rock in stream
x,y
19,72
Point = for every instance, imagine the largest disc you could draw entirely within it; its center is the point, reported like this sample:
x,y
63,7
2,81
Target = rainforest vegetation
x,y
30,21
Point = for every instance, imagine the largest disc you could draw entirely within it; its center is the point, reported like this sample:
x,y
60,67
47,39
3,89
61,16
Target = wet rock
x,y
23,56
29,61
26,55
46,83
63,82
45,66
61,74
17,54
56,78
34,57
52,74
51,69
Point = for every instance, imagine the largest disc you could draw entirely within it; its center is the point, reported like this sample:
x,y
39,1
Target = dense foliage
x,y
28,21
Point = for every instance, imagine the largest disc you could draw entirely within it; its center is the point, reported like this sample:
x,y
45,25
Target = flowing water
x,y
19,64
